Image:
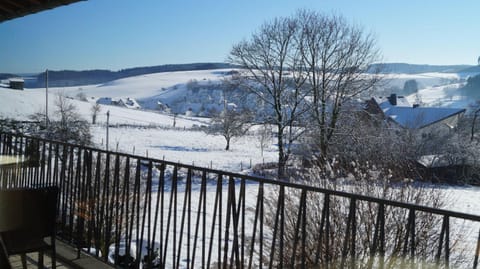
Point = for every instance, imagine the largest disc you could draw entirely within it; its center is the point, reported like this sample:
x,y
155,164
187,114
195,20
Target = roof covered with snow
x,y
398,109
419,117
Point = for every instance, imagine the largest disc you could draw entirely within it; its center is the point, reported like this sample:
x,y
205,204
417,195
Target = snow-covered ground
x,y
148,132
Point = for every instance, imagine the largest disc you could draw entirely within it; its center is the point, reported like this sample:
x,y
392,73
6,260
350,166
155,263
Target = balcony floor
x,y
66,258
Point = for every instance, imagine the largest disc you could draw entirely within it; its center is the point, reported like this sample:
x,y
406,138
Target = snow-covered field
x,y
148,132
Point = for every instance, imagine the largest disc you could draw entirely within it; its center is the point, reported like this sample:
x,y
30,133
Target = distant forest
x,y
404,68
76,78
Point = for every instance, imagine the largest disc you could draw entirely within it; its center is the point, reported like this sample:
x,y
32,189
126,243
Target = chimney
x,y
393,99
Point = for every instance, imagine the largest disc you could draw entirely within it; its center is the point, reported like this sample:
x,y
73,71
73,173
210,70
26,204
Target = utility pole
x,y
46,99
108,119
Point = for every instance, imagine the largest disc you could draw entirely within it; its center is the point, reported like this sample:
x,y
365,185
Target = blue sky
x,y
117,34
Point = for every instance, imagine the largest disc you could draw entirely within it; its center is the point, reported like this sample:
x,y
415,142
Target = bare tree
x,y
337,55
333,224
95,109
265,136
230,124
272,70
67,126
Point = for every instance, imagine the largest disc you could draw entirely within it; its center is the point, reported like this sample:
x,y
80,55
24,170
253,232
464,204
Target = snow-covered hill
x,y
150,129
150,132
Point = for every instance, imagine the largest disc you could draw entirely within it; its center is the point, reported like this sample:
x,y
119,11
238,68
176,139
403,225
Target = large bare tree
x,y
338,56
309,62
272,69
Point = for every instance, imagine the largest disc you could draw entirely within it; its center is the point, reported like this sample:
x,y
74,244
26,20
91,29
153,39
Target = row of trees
x,y
305,68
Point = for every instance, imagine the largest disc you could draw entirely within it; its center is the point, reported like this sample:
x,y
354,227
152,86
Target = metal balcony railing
x,y
133,212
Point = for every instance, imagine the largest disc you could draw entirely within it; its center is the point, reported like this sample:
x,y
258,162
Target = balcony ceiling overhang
x,y
11,9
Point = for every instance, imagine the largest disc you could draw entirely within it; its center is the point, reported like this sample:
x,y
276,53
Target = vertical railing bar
x,y
354,233
412,239
204,224
23,177
351,215
382,237
189,222
98,205
162,187
214,217
304,231
125,210
116,202
477,252
130,209
227,223
81,208
322,225
55,169
235,214
440,243
43,163
219,249
275,230
76,192
110,199
146,215
195,237
2,142
49,165
157,208
447,242
377,234
243,193
104,203
26,167
257,209
69,183
327,233
167,234
137,190
282,225
175,202
29,182
297,227
236,218
262,212
13,177
182,222
35,163
15,144
89,198
407,235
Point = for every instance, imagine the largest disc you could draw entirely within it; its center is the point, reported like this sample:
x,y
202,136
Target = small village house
x,y
16,83
423,122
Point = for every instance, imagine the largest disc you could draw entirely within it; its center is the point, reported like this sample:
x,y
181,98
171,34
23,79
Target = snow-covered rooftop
x,y
399,110
16,80
419,117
